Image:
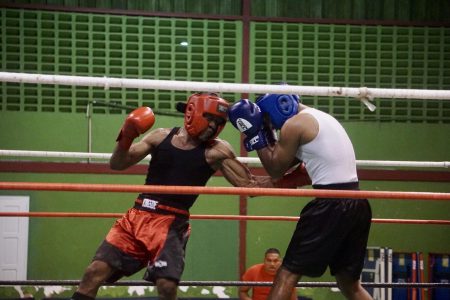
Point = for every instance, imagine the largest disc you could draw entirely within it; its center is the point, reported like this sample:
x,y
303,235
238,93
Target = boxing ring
x,y
213,191
365,95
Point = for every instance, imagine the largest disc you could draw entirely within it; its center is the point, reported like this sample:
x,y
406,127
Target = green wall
x,y
128,46
409,10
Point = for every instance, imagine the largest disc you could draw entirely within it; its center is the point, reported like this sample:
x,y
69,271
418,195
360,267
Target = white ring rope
x,y
248,160
110,82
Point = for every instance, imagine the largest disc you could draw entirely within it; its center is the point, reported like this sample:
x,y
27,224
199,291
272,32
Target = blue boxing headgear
x,y
278,107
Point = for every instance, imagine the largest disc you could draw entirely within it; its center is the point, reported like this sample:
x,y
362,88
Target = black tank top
x,y
173,166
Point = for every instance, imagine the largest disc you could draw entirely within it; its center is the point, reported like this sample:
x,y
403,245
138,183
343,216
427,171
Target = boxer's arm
x,y
298,177
297,131
122,159
239,175
126,154
294,294
222,157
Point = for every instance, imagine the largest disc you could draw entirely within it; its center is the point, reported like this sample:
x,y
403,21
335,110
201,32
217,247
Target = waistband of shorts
x,y
159,208
338,186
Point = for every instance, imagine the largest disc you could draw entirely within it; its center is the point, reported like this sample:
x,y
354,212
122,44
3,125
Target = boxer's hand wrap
x,y
297,178
138,121
248,119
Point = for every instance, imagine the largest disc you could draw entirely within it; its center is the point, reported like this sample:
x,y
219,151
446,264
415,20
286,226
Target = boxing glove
x,y
138,121
297,178
248,119
256,142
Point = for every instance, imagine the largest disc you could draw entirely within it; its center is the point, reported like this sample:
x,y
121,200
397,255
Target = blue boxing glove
x,y
256,142
248,119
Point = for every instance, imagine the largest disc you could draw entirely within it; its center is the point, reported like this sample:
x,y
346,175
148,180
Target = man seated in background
x,y
265,271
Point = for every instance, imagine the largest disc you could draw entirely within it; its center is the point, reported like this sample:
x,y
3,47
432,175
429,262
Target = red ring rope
x,y
206,217
78,187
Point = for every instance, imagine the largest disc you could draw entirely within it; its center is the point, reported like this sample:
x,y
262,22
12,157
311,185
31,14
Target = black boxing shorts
x,y
331,232
146,239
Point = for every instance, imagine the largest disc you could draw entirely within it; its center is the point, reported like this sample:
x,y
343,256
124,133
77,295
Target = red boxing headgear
x,y
200,103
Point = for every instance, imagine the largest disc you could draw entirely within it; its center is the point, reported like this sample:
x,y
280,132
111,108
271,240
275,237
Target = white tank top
x,y
329,158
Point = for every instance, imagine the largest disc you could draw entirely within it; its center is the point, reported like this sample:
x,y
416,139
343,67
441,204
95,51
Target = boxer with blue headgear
x,y
248,118
278,107
318,147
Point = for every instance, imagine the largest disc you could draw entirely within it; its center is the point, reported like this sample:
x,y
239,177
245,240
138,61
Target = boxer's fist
x,y
246,117
297,178
138,121
256,142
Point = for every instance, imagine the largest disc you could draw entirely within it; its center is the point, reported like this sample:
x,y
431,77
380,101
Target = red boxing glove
x,y
138,121
297,178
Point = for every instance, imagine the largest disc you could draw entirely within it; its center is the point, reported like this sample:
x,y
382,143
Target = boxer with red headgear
x,y
154,232
200,109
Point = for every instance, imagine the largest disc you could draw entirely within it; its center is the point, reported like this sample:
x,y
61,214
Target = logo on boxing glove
x,y
254,140
160,264
243,125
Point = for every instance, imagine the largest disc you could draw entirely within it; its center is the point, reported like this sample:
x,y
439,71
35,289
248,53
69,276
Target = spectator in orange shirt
x,y
262,272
